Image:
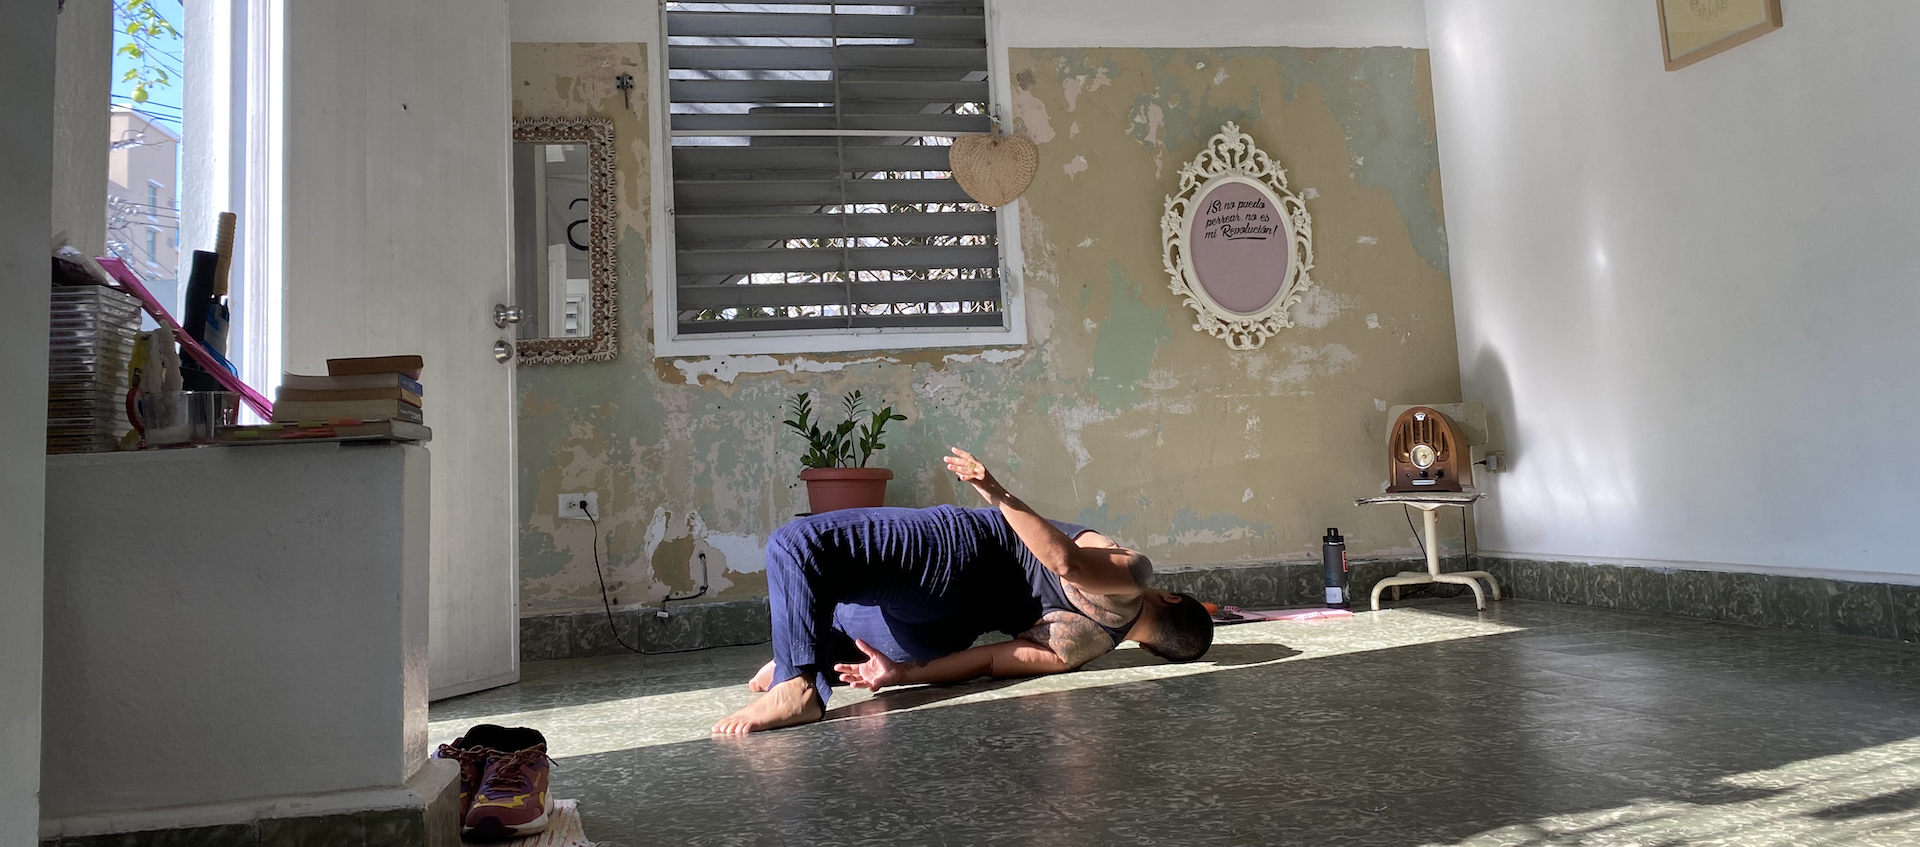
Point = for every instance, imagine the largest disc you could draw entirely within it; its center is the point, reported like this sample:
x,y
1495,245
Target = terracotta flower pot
x,y
832,489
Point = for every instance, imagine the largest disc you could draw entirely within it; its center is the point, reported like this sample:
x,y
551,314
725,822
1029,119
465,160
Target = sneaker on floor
x,y
512,799
471,752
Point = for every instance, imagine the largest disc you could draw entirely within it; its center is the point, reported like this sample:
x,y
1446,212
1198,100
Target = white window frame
x,y
668,342
233,119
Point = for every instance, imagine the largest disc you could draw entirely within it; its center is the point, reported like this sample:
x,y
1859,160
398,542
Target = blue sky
x,y
163,102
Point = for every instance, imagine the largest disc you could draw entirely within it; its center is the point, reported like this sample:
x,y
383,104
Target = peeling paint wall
x,y
1118,415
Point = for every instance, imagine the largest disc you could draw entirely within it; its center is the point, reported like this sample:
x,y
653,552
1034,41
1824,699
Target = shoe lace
x,y
509,772
466,756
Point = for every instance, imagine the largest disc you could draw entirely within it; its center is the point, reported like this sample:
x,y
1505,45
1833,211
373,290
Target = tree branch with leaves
x,y
145,29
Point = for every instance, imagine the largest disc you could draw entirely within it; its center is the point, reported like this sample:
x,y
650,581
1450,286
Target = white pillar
x,y
26,222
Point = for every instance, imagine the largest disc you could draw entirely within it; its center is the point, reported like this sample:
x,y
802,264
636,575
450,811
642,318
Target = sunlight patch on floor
x,y
680,716
1867,797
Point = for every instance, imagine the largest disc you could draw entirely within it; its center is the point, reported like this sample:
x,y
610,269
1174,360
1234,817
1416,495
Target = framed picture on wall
x,y
1691,30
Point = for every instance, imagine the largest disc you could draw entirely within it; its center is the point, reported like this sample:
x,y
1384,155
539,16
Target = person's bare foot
x,y
789,703
763,680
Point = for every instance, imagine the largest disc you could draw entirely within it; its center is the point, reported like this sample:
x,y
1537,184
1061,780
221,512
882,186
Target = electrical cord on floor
x,y
607,603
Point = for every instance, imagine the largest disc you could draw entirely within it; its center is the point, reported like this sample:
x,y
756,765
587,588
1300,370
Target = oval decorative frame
x,y
1232,157
603,294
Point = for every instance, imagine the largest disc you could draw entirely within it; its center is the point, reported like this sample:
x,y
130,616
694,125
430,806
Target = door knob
x,y
504,314
502,350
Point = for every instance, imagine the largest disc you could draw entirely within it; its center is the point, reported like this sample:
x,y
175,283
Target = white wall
x,y
1688,298
82,80
26,202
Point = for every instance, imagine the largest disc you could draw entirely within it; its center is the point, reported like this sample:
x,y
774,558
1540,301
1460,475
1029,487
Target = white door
x,y
397,240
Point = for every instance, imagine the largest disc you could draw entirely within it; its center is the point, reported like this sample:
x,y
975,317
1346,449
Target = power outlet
x,y
570,506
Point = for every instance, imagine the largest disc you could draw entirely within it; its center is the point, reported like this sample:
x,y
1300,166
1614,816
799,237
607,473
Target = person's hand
x,y
875,673
969,470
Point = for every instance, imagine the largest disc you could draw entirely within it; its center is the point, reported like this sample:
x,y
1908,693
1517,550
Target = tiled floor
x,y
1529,724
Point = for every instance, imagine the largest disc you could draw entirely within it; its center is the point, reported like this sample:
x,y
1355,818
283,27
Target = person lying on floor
x,y
892,596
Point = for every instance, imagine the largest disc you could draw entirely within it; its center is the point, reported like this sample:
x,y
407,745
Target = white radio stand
x,y
1428,502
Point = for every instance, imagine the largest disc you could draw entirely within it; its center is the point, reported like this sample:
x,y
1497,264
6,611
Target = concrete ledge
x,y
1840,607
423,813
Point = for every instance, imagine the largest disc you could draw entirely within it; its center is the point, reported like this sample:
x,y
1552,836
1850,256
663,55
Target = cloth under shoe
x,y
512,799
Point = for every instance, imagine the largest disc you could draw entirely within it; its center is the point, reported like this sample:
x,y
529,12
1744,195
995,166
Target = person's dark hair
x,y
1186,631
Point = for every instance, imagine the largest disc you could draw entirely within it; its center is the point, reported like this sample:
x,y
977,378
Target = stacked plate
x,y
92,333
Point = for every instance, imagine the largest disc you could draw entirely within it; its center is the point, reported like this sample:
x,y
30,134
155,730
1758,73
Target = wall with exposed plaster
x,y
1117,415
1217,23
1687,296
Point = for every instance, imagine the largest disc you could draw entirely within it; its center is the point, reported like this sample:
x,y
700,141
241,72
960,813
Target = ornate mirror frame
x,y
603,293
1232,157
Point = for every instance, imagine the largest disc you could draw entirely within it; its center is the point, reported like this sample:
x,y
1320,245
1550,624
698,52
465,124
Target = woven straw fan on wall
x,y
994,169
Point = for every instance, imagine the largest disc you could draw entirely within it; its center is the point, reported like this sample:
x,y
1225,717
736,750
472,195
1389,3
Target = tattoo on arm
x,y
1072,637
1142,571
1109,609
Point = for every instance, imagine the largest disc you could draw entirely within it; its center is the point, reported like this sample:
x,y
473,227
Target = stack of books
x,y
366,399
379,388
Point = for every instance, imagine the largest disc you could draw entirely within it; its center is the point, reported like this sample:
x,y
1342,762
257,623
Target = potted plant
x,y
835,480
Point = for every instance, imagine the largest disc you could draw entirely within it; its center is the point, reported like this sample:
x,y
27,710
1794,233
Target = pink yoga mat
x,y
1253,615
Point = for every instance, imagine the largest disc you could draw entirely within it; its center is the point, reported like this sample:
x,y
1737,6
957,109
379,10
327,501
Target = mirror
x,y
563,220
1237,242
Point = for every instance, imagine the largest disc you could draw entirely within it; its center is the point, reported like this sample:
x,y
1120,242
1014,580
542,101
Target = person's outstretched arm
x,y
1095,570
1060,642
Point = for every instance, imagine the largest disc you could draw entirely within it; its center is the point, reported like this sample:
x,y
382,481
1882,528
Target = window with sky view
x,y
143,158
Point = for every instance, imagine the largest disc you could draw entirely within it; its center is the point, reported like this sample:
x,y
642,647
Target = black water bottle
x,y
1333,558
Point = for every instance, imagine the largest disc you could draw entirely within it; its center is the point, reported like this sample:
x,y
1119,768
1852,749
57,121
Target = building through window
x,y
143,165
143,156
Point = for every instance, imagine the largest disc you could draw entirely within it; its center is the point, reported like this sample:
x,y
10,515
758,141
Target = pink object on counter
x,y
128,280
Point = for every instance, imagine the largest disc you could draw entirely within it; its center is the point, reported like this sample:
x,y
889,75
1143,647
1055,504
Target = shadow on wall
x,y
1487,379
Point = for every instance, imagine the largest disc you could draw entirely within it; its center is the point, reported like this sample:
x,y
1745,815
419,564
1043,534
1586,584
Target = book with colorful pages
x,y
289,411
346,429
297,395
324,382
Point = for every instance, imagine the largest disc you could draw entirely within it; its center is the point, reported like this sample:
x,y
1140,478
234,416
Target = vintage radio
x,y
1427,452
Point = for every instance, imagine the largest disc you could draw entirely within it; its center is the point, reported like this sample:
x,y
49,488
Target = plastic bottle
x,y
1333,558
